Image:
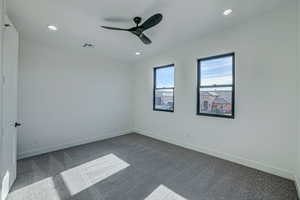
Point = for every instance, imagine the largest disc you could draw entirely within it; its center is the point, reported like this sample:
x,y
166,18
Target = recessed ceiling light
x,y
227,12
52,28
137,53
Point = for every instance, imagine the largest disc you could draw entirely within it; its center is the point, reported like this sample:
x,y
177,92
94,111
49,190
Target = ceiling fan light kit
x,y
139,29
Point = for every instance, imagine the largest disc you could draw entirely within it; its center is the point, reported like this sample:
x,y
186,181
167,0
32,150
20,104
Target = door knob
x,y
17,124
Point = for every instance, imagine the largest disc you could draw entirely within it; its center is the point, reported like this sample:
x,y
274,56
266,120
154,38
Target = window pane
x,y
216,71
164,99
216,101
165,77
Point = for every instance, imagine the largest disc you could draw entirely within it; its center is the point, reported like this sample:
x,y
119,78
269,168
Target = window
x,y
163,91
215,91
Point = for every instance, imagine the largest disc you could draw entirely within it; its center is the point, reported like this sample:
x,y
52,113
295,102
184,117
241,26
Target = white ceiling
x,y
79,22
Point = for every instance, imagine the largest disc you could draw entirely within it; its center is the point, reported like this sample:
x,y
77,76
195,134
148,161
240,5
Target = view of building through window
x,y
164,88
164,99
216,101
216,86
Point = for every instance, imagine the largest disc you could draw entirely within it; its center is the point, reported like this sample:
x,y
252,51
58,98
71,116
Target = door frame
x,y
2,11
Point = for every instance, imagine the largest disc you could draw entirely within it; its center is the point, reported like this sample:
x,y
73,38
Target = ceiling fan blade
x,y
152,21
114,28
145,39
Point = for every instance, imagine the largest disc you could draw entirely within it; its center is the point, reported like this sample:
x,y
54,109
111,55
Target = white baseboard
x,y
43,150
236,159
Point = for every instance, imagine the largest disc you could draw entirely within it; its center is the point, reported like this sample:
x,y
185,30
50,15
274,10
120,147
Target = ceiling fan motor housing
x,y
137,20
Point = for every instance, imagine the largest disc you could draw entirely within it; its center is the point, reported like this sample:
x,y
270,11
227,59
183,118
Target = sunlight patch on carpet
x,y
164,193
39,190
84,176
5,186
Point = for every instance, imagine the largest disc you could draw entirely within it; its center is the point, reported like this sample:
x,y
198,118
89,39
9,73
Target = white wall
x,y
68,98
264,131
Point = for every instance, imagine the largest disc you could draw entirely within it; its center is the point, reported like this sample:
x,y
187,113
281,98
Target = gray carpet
x,y
135,167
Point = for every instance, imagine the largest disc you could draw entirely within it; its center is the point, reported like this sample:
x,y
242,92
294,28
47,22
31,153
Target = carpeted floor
x,y
135,167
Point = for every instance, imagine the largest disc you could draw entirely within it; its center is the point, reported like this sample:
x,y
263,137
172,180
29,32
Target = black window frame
x,y
155,88
232,116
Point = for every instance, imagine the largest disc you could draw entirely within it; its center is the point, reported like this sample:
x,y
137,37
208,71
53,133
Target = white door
x,y
9,138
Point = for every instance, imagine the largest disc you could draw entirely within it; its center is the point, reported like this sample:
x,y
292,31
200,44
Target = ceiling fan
x,y
139,29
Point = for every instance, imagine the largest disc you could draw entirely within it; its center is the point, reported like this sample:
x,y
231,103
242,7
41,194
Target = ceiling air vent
x,y
88,45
